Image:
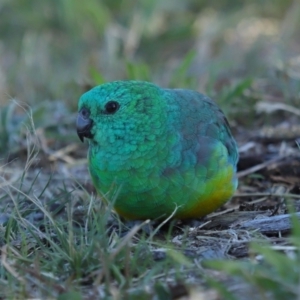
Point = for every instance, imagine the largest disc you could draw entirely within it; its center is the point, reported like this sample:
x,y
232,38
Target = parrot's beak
x,y
84,124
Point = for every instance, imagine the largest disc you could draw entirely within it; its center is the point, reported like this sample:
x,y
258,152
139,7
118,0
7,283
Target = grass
x,y
77,250
57,239
273,270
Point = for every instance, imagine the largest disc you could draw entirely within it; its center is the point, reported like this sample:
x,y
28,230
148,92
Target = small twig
x,y
270,225
287,195
270,107
232,209
204,224
8,266
162,224
259,167
62,154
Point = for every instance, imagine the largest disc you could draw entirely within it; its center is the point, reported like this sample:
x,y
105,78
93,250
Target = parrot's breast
x,y
190,194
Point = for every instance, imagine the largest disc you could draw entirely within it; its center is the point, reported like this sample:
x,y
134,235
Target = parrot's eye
x,y
85,113
111,107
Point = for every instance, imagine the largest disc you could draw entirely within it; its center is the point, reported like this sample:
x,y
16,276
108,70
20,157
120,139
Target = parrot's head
x,y
124,111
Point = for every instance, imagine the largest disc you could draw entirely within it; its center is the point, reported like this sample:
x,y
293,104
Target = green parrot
x,y
156,152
